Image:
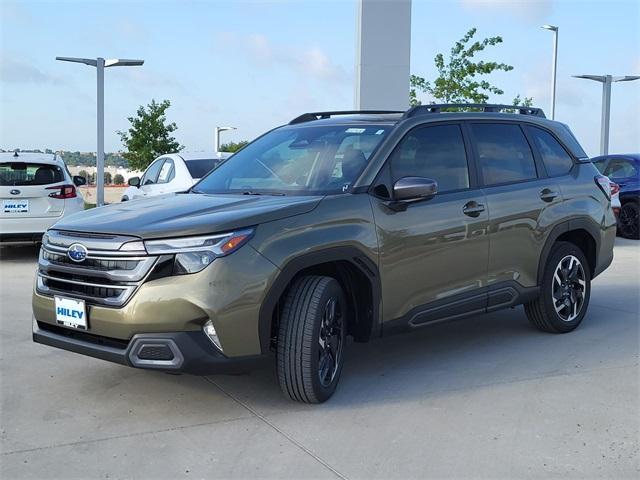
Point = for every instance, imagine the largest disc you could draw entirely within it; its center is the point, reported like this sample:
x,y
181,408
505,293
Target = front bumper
x,y
176,352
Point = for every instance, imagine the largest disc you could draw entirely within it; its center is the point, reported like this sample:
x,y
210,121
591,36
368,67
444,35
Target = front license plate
x,y
15,206
71,313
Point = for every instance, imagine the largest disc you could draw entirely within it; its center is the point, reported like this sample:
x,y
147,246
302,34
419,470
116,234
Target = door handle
x,y
548,195
473,209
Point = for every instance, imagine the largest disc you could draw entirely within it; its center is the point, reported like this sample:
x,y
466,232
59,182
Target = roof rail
x,y
437,108
308,117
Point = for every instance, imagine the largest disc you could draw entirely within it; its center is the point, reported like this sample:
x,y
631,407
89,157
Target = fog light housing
x,y
210,331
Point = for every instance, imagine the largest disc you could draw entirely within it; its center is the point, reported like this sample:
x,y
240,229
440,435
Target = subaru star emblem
x,y
15,191
77,252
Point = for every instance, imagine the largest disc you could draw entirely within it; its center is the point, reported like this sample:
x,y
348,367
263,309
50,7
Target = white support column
x,y
383,50
100,152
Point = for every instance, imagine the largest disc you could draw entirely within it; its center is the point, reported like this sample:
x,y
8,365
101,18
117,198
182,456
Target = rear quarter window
x,y
555,158
20,173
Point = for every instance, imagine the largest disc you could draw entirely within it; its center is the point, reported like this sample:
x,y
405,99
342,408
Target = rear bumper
x,y
20,238
174,352
24,229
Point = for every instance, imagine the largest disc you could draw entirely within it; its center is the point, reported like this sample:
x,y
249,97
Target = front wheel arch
x,y
351,267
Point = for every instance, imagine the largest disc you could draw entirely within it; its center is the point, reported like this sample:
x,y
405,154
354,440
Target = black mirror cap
x,y
412,189
134,181
78,181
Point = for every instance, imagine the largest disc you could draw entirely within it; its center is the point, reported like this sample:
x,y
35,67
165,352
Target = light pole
x,y
216,140
100,64
606,81
554,65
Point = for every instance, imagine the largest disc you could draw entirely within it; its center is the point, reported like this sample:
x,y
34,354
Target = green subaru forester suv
x,y
337,224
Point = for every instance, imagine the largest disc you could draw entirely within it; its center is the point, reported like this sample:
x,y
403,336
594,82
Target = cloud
x,y
531,11
17,71
309,61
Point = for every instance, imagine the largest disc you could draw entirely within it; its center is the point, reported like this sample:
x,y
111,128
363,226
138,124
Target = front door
x,y
433,254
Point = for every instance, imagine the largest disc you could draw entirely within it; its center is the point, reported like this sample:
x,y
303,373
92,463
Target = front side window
x,y
504,153
299,160
435,152
555,158
20,173
151,175
166,172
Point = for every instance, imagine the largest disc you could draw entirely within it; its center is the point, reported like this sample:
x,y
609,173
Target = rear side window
x,y
504,153
199,168
619,168
435,152
555,158
20,173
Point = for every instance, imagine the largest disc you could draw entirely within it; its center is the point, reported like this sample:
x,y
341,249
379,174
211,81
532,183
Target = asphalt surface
x,y
487,397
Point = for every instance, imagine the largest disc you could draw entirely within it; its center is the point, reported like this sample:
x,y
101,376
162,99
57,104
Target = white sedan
x,y
175,172
36,190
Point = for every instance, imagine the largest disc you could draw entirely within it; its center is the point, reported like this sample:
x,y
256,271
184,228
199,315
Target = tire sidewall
x,y
558,253
332,289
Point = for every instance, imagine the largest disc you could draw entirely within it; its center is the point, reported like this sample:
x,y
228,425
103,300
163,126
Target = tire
x,y
302,331
629,220
572,284
124,199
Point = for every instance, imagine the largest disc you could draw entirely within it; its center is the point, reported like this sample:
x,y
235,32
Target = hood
x,y
183,214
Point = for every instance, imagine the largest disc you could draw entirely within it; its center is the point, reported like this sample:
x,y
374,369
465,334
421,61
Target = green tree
x,y
84,174
461,79
107,178
149,135
118,179
233,146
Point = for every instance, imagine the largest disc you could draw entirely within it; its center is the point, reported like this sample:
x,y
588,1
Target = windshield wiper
x,y
249,192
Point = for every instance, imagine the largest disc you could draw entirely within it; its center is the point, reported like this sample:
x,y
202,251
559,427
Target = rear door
x,y
521,200
25,190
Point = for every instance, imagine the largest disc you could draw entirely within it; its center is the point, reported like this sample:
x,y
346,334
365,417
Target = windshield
x,y
19,173
199,168
308,160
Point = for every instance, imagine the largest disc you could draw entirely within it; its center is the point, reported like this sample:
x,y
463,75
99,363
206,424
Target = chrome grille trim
x,y
142,267
99,243
107,276
126,291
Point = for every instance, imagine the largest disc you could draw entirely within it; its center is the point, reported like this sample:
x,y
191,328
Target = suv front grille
x,y
107,276
90,263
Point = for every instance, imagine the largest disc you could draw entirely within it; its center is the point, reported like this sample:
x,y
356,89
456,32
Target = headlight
x,y
193,254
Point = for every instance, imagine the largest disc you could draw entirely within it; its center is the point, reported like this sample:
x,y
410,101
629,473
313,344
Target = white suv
x,y
175,172
36,190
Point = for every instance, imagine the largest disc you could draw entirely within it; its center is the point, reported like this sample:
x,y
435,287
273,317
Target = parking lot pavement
x,y
483,397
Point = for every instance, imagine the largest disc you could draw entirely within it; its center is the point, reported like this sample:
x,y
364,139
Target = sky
x,y
257,64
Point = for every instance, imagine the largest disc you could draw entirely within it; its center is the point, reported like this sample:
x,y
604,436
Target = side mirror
x,y
134,182
413,189
78,181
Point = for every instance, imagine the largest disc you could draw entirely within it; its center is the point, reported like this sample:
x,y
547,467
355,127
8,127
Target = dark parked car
x,y
624,169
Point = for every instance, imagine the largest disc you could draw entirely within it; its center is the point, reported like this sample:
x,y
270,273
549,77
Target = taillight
x,y
63,191
615,188
605,185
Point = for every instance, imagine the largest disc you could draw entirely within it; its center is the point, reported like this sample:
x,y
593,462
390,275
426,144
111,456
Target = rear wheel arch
x,y
358,276
582,232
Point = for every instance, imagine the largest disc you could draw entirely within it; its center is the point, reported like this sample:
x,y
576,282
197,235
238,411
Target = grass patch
x,y
89,206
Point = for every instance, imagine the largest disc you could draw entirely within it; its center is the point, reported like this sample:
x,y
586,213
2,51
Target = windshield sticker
x,y
355,130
